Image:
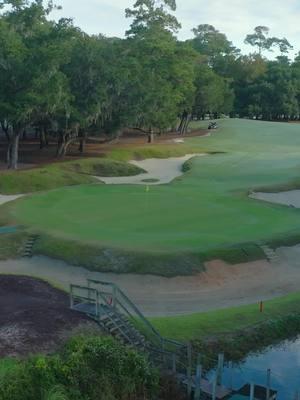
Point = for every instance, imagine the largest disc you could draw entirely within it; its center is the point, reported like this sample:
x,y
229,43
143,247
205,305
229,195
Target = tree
x,y
32,85
260,38
152,13
213,93
212,43
163,75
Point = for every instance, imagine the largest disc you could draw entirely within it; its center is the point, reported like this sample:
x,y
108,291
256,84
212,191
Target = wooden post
x,y
97,304
174,369
214,388
230,366
89,290
220,369
268,384
189,370
114,297
197,393
163,354
71,297
252,388
261,307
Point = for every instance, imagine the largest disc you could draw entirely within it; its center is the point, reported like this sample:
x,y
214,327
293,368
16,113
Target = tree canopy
x,y
60,81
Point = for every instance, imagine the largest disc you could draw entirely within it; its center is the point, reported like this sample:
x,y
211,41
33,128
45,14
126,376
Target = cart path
x,y
221,286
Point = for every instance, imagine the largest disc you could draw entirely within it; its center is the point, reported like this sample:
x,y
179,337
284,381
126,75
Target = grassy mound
x,y
101,259
103,167
63,174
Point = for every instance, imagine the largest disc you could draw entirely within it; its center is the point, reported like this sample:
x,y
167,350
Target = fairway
x,y
206,210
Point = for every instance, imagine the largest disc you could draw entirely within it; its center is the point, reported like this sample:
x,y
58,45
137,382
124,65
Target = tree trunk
x,y
8,154
82,142
150,137
5,128
43,139
81,146
14,150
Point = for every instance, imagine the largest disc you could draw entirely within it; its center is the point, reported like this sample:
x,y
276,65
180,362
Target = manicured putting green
x,y
206,209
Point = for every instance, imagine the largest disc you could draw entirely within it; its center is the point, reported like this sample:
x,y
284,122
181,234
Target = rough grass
x,y
226,321
235,331
101,259
38,179
11,245
63,174
152,151
102,167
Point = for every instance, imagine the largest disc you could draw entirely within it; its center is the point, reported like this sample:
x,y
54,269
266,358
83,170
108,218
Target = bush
x,y
88,368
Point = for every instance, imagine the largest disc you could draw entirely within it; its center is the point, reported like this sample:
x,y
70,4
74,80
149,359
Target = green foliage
x,y
260,39
87,368
60,80
213,93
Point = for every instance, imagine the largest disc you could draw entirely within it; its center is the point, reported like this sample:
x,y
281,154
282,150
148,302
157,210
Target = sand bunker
x,y
221,286
161,171
290,198
6,199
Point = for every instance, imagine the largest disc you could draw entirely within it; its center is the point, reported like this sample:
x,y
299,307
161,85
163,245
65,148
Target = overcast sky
x,y
236,18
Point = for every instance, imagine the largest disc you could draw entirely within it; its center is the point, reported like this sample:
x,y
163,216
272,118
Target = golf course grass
x,y
202,213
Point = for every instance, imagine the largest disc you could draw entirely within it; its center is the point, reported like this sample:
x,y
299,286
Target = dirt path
x,y
159,170
220,286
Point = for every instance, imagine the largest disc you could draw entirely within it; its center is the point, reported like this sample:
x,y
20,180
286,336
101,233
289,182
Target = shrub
x,y
87,368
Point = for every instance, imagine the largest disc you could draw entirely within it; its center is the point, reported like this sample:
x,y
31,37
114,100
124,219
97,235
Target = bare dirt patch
x,y
34,317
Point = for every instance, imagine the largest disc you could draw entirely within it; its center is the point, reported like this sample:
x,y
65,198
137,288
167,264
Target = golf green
x,y
208,208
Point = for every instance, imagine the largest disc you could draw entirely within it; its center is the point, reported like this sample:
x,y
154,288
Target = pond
x,y
8,229
284,362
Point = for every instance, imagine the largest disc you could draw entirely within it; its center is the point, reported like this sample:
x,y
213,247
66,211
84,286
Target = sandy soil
x,y
34,316
290,198
161,170
220,286
6,199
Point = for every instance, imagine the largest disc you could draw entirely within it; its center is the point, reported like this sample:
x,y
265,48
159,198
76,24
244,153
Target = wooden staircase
x,y
270,254
119,316
28,249
120,327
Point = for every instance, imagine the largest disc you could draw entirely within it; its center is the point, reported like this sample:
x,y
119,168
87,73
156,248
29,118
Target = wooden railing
x,y
172,352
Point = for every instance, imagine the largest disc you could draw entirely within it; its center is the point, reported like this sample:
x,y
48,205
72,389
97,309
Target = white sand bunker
x,y
6,199
290,198
178,141
159,171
